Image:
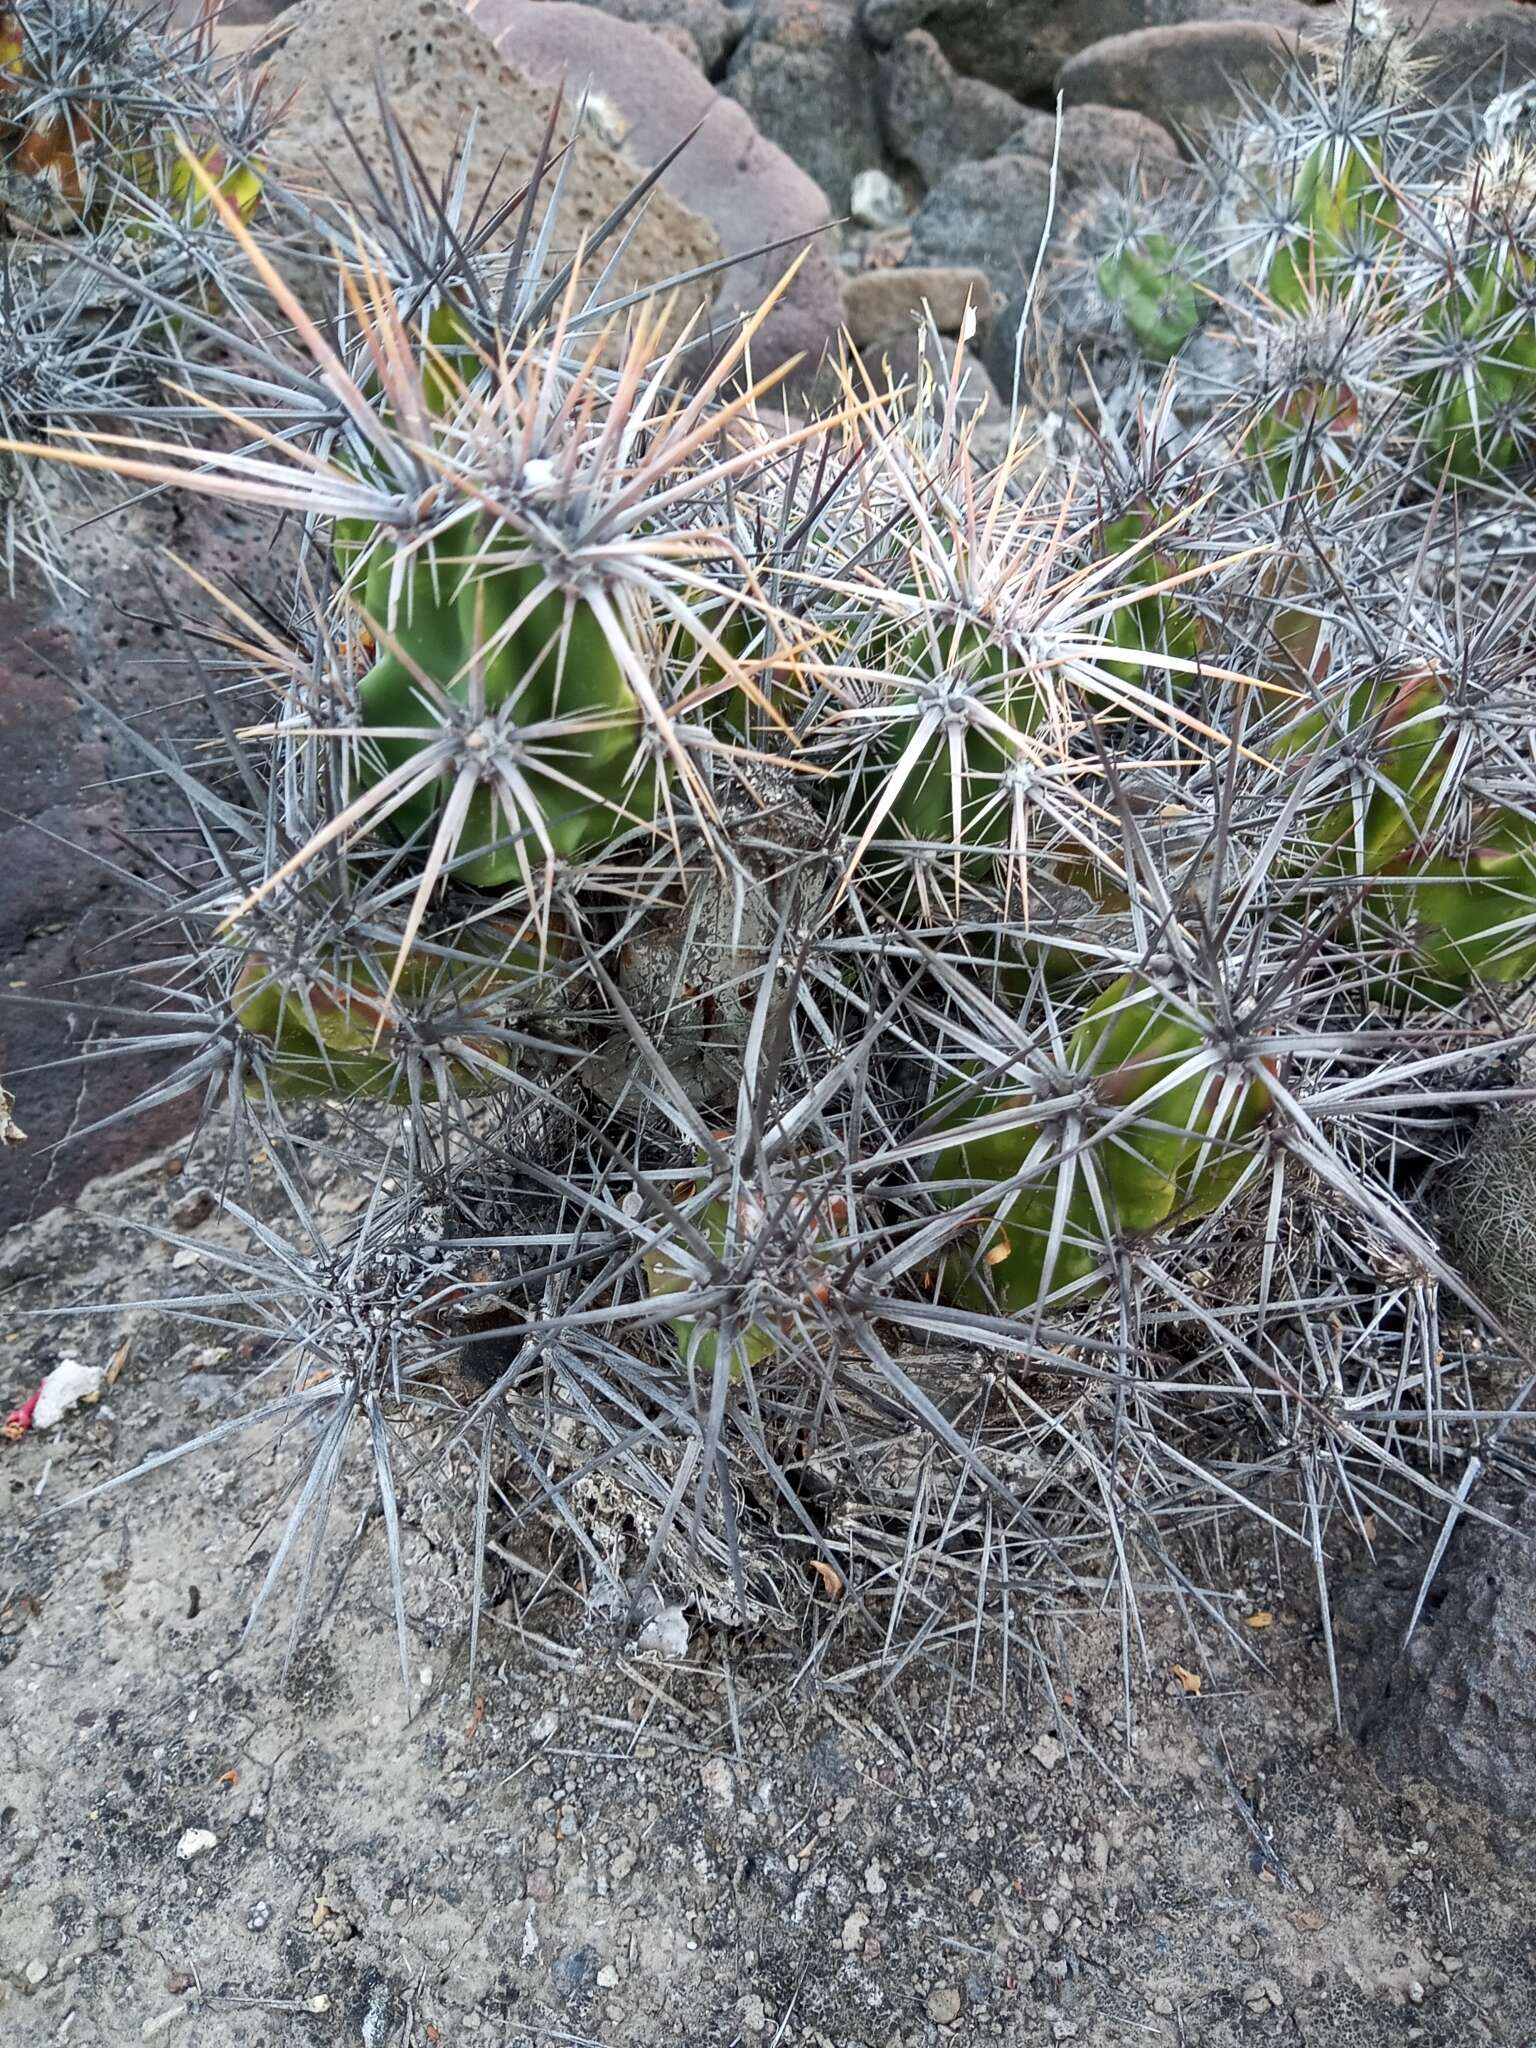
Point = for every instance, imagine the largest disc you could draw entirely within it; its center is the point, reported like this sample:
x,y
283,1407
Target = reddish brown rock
x,y
83,816
885,305
742,184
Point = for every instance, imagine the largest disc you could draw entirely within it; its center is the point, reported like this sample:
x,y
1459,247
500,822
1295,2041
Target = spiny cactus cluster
x,y
1348,272
107,248
896,1013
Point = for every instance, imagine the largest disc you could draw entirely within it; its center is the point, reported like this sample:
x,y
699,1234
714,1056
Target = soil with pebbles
x,y
203,1846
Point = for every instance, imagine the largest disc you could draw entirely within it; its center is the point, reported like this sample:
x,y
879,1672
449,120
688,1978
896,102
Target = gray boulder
x,y
807,78
1457,1707
742,184
1185,76
988,216
1021,45
1484,45
932,117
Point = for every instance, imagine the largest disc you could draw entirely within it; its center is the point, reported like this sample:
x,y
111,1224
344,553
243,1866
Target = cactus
x,y
1159,303
782,1241
1024,859
484,653
339,1033
1154,1132
115,126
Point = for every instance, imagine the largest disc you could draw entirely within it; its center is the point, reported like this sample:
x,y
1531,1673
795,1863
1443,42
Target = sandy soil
x,y
580,1845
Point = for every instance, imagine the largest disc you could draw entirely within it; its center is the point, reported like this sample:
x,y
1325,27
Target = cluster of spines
x,y
110,251
821,912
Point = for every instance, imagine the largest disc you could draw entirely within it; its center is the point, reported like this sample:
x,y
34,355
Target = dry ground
x,y
585,1846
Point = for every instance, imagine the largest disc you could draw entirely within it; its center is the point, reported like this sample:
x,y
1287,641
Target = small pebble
x,y
877,201
944,2005
37,1970
196,1842
1047,1752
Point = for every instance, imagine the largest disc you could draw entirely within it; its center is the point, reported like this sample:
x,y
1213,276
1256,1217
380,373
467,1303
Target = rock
x,y
944,2005
441,71
1047,1751
707,30
932,117
573,1973
1021,45
899,357
807,78
877,202
1099,146
987,216
1458,1707
79,811
744,186
883,305
1186,76
1486,45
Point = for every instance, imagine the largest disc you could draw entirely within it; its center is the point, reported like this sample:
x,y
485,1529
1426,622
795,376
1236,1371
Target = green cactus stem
x,y
1155,297
1175,1162
338,1035
549,680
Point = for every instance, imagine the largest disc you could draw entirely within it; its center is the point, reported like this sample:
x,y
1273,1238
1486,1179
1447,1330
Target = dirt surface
x,y
584,1845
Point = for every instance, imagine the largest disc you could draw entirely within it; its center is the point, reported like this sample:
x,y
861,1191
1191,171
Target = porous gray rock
x,y
932,117
441,73
742,184
1021,45
807,78
1458,1706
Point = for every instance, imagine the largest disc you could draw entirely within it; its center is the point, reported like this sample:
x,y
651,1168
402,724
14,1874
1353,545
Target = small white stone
x,y
877,201
1047,1752
874,1878
719,1781
65,1388
196,1842
665,1635
37,1970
